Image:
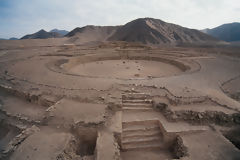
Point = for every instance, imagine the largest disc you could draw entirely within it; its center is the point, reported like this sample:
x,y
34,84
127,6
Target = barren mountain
x,y
61,32
91,33
13,38
145,30
155,31
227,32
42,34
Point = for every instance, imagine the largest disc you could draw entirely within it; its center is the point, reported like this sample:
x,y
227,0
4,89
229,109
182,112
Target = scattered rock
x,y
149,76
12,146
200,116
179,149
102,98
154,86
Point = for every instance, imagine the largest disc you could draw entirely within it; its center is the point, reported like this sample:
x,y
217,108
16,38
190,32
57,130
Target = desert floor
x,y
118,101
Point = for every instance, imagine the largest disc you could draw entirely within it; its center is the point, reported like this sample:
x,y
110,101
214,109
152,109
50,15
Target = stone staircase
x,y
136,102
141,135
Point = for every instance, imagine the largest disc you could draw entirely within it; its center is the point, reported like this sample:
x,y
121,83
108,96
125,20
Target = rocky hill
x,y
227,32
61,32
155,31
91,33
42,34
144,30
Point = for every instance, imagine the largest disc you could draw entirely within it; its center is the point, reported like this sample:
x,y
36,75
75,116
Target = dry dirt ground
x,y
118,101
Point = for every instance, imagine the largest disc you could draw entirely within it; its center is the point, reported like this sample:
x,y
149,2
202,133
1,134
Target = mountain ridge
x,y
42,34
229,32
61,32
144,30
155,31
91,33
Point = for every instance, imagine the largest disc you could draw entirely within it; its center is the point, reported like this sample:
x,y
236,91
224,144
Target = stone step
x,y
136,93
136,105
140,128
135,96
137,101
137,109
141,140
147,145
151,122
141,133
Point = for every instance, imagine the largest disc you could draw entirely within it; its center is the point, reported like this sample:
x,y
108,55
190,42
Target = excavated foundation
x,y
147,134
7,133
150,137
86,141
233,136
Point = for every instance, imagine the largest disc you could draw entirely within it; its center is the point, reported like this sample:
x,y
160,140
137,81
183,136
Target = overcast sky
x,y
20,17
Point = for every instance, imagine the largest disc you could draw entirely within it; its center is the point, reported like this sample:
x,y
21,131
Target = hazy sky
x,y
20,17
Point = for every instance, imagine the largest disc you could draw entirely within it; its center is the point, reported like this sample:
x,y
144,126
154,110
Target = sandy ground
x,y
125,69
208,150
115,102
51,144
17,106
72,112
148,155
